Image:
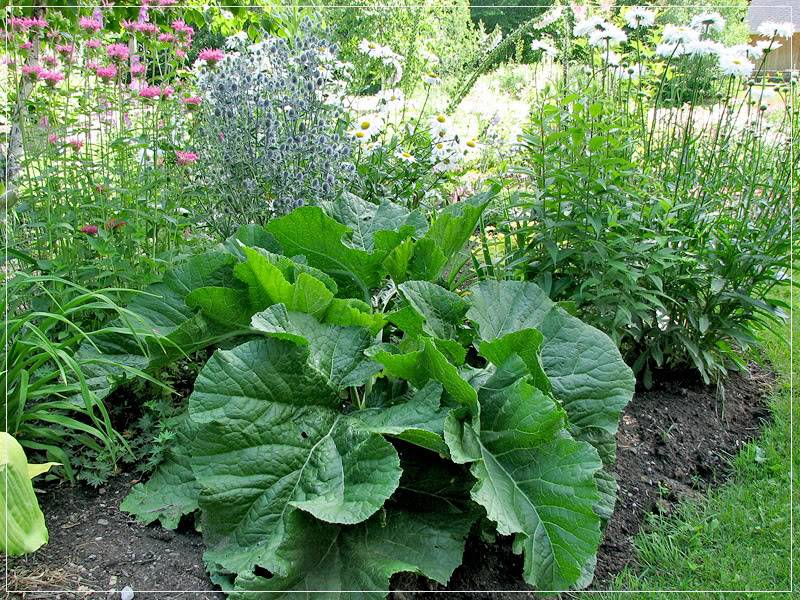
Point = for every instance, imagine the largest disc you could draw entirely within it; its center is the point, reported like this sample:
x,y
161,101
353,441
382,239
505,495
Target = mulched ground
x,y
674,442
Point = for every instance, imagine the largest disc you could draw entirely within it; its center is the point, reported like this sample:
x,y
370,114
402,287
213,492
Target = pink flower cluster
x,y
89,229
211,55
118,52
65,49
153,92
93,43
185,158
138,68
106,73
51,78
25,23
90,24
139,26
181,28
33,71
191,101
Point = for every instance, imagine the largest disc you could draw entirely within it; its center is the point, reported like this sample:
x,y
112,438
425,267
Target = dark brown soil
x,y
95,547
674,442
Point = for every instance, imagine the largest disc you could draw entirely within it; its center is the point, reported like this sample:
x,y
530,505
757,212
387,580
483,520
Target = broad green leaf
x,y
535,481
336,353
271,439
224,305
584,367
327,245
420,366
418,420
366,219
348,562
442,311
525,343
172,491
450,230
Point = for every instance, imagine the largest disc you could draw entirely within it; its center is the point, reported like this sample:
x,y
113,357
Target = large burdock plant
x,y
356,426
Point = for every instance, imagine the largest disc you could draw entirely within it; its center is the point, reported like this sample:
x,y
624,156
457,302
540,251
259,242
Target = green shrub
x,y
440,29
344,398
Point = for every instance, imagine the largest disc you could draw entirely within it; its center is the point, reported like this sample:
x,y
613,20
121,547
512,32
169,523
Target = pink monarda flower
x,y
25,23
167,38
93,43
192,101
167,92
185,158
147,28
138,68
75,143
167,2
38,23
153,92
33,71
118,52
180,27
106,73
180,53
90,24
52,78
93,65
89,229
26,45
50,60
52,139
65,49
211,55
128,25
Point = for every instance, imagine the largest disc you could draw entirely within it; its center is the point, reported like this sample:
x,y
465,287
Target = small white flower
x,y
440,126
544,47
390,99
670,50
771,29
429,56
768,45
431,79
678,34
711,21
589,25
406,156
470,145
366,128
445,163
704,48
735,64
610,35
639,16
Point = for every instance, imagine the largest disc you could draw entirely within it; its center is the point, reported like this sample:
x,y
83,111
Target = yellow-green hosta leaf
x,y
22,526
39,469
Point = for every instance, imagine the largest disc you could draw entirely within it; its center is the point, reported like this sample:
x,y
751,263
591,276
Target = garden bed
x,y
674,441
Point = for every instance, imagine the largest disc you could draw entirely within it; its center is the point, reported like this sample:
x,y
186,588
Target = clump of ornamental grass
x,y
272,130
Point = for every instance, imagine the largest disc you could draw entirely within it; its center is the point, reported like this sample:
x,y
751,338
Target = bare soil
x,y
675,441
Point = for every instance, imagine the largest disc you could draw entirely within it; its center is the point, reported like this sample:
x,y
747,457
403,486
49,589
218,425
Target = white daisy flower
x,y
711,21
366,128
440,125
589,25
428,56
670,50
768,45
610,35
406,156
773,29
735,64
470,145
390,99
546,48
639,16
704,48
679,34
431,79
448,162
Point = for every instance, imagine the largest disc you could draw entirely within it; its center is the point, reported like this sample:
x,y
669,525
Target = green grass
x,y
737,538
